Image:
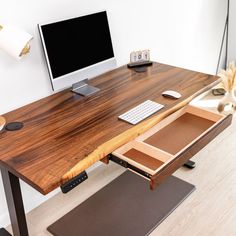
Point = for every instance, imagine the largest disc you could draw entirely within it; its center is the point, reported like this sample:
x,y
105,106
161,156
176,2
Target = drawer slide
x,y
125,164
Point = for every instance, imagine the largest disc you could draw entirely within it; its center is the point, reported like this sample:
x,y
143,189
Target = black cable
x,y
225,34
220,91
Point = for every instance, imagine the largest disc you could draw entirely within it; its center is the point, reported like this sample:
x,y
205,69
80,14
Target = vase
x,y
229,99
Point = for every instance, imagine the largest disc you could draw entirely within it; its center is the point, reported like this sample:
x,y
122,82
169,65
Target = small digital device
x,y
139,60
77,49
141,112
140,56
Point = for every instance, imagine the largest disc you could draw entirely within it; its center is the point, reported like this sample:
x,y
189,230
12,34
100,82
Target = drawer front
x,y
155,156
179,161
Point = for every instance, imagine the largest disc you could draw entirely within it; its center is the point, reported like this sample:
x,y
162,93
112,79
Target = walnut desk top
x,y
62,129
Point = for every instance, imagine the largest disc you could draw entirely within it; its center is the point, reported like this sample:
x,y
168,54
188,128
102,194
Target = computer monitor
x,y
77,49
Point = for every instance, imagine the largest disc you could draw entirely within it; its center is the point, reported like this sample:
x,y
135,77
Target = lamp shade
x,y
13,40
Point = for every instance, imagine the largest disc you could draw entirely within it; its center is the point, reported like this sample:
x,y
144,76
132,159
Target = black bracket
x,y
190,164
125,164
66,187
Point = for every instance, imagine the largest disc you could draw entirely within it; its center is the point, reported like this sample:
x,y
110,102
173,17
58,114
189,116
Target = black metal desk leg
x,y
15,204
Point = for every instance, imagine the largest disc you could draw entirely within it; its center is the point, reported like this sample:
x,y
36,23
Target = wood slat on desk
x,y
62,129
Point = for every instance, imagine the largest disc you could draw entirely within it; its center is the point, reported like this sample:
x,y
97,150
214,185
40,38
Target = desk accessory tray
x,y
168,145
139,64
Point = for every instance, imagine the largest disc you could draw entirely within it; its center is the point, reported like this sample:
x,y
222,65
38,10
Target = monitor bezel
x,y
67,80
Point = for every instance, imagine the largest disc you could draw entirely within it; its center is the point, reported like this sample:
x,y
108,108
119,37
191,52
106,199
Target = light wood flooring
x,y
209,211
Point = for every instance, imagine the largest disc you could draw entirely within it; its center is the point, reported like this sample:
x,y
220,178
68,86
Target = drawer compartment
x,y
143,159
143,156
164,148
179,133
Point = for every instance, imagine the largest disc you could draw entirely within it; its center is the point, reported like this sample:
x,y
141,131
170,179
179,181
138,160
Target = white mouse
x,y
171,94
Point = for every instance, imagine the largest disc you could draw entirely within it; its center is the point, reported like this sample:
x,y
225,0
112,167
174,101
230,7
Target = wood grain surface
x,y
63,129
2,122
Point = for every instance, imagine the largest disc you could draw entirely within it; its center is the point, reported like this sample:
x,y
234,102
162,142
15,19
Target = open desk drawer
x,y
160,151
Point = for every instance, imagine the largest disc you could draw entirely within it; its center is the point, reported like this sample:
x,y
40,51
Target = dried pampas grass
x,y
228,83
228,77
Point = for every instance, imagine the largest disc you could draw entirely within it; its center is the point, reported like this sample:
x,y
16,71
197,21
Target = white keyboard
x,y
141,112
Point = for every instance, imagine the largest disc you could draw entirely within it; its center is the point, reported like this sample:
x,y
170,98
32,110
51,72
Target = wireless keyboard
x,y
141,112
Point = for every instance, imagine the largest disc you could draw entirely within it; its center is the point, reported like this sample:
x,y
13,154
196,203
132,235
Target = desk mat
x,y
124,207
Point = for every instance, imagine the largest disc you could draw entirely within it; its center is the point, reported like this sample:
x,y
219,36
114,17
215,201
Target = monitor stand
x,y
82,88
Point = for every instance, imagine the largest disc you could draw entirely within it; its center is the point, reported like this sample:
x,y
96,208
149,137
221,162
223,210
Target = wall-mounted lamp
x,y
15,42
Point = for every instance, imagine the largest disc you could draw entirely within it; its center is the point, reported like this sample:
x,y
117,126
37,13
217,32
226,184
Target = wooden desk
x,y
62,129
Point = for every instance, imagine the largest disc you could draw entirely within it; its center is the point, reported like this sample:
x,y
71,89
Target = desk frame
x,y
15,204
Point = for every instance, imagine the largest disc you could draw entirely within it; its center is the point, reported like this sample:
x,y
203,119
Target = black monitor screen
x,y
77,43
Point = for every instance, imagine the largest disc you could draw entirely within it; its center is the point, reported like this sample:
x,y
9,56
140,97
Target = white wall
x,y
185,33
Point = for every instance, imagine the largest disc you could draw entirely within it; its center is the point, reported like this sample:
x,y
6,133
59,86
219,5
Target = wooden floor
x,y
209,211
